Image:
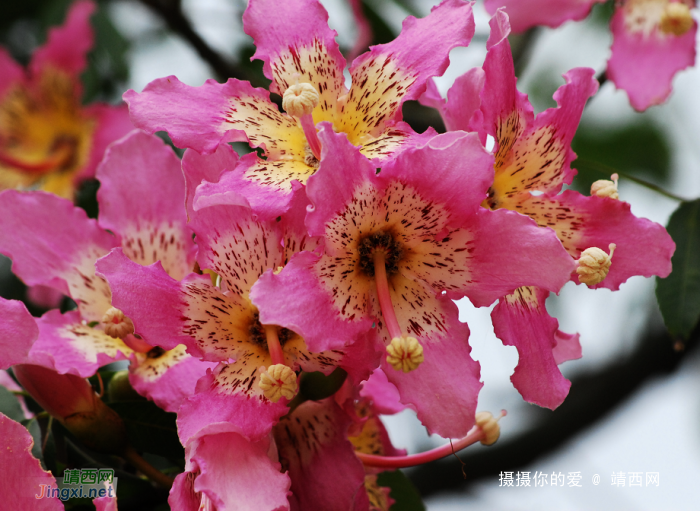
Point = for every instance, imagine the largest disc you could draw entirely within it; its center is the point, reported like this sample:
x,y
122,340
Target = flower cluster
x,y
234,284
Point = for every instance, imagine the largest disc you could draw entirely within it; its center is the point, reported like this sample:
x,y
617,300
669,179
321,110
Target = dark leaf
x,y
402,491
9,405
149,428
679,294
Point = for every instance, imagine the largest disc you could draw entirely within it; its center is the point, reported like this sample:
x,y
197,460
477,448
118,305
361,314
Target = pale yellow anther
x,y
404,353
489,426
278,381
605,188
594,264
116,324
278,270
676,19
300,99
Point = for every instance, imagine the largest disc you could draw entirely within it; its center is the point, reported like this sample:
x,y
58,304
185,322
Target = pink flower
x,y
53,243
420,219
533,154
299,52
47,138
652,39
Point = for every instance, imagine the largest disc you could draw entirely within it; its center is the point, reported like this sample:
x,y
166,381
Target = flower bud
x,y
71,400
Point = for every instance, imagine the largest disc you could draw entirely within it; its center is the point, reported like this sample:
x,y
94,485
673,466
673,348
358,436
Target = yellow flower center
x,y
404,353
676,19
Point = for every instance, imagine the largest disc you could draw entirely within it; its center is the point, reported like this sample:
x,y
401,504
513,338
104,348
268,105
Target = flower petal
x,y
18,331
444,388
199,169
168,377
51,242
321,462
11,73
230,393
23,479
140,198
296,45
67,46
644,64
389,74
521,320
201,118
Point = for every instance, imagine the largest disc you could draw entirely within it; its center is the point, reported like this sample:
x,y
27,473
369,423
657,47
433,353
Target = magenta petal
x,y
568,347
199,168
287,34
67,45
112,124
321,462
462,109
235,189
453,170
644,65
237,474
11,73
252,417
330,188
18,331
323,330
51,242
362,356
21,474
105,504
141,199
526,14
183,496
643,247
421,50
66,345
167,384
194,117
382,393
150,297
521,320
513,252
443,390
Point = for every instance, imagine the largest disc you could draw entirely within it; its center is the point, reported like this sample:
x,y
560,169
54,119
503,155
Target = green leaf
x,y
402,491
9,405
679,293
316,386
149,428
640,149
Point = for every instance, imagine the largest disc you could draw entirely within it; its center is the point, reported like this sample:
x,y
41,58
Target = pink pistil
x,y
307,124
380,278
373,460
273,344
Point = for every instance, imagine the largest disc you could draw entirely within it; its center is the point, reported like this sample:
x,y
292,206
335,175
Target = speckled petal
x,y
521,320
21,474
51,242
389,74
397,137
644,60
230,393
235,245
202,117
18,331
321,462
526,14
67,46
67,345
296,45
444,388
643,247
168,377
141,200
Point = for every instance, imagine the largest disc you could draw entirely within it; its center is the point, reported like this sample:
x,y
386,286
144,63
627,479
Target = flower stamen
x,y
486,431
299,101
116,324
278,381
605,188
594,264
676,19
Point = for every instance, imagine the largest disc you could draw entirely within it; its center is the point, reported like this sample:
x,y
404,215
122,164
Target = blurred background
x,y
634,404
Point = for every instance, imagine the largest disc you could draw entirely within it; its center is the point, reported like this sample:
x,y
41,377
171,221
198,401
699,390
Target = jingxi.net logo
x,y
81,483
